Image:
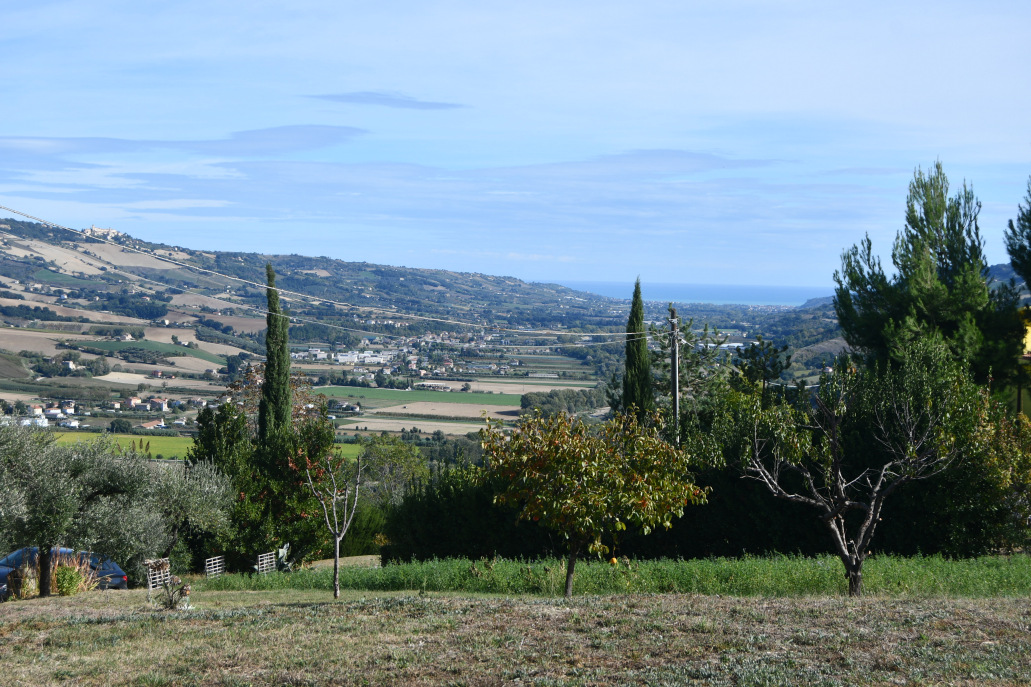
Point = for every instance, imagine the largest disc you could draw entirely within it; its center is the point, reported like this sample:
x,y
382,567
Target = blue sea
x,y
721,294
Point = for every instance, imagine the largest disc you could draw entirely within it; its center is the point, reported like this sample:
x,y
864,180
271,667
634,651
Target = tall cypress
x,y
275,403
637,373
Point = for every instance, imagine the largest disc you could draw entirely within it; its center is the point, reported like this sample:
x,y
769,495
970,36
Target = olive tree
x,y
88,496
588,484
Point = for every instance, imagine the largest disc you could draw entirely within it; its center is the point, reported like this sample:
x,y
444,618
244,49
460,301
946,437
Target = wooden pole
x,y
675,371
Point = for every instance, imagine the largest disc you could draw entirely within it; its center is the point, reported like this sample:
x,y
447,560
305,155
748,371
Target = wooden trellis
x,y
214,567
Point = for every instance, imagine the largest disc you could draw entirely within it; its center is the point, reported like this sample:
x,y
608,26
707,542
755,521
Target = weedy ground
x,y
301,637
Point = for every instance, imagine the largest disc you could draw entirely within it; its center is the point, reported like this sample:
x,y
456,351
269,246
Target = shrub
x,y
67,580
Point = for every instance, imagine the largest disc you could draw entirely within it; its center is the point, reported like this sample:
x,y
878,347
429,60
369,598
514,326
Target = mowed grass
x,y
389,397
782,576
294,637
167,348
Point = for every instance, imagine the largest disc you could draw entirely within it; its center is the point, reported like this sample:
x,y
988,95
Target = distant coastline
x,y
719,294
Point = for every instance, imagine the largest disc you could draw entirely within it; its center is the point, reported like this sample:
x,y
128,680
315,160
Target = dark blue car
x,y
109,575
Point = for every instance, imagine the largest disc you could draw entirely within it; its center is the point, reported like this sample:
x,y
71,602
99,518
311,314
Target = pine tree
x,y
1018,239
274,407
939,288
637,372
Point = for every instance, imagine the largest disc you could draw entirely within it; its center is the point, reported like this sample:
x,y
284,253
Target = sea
x,y
719,294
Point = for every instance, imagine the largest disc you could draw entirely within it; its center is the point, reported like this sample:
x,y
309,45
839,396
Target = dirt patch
x,y
188,363
124,378
136,378
165,334
198,301
461,410
219,349
44,343
14,397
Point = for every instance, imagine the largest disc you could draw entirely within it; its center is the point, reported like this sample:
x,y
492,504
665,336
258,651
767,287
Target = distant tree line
x,y
569,401
35,312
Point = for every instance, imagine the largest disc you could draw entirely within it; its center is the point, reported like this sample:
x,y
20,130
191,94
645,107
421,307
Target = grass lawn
x,y
396,396
168,348
297,637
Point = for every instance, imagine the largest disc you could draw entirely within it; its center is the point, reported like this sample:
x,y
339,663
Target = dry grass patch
x,y
445,409
296,637
376,425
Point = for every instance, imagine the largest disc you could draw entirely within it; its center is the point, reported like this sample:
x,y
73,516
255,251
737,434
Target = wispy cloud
x,y
387,99
253,143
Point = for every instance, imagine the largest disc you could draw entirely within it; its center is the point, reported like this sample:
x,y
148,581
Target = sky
x,y
732,142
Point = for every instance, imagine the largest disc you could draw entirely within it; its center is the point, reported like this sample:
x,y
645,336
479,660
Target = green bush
x,y
69,580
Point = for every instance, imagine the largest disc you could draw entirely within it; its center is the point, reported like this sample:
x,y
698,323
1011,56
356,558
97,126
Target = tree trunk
x,y
45,565
854,573
336,566
573,551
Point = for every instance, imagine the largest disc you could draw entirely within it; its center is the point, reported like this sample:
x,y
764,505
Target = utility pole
x,y
674,348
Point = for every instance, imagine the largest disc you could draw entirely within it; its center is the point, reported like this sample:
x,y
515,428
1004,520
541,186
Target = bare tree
x,y
336,482
865,434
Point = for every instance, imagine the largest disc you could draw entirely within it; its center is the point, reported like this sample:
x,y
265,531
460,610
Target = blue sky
x,y
698,142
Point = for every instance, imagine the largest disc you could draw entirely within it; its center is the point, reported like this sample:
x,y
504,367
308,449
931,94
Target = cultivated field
x,y
134,378
65,258
168,447
200,301
92,315
378,424
159,347
42,342
456,410
116,255
387,397
292,637
523,386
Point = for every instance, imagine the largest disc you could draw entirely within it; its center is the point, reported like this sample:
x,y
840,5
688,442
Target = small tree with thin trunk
x,y
333,479
866,433
589,484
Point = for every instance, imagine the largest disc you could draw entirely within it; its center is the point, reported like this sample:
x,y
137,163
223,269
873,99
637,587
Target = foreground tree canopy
x,y
588,485
866,433
93,497
939,288
269,429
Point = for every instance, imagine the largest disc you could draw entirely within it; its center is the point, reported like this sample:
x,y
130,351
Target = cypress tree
x,y
275,404
637,373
